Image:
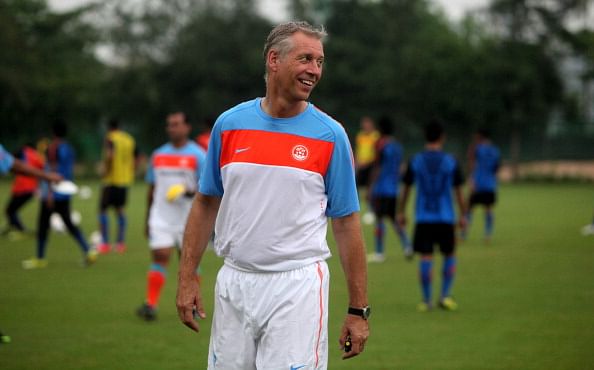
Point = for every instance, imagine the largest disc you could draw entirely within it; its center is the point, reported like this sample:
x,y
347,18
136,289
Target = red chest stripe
x,y
276,149
175,161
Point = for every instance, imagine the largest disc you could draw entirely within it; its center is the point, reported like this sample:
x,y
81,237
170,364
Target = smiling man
x,y
277,168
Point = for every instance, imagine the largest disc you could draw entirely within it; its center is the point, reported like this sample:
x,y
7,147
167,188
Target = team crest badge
x,y
300,152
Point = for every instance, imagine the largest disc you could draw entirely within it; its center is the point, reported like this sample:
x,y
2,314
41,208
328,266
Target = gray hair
x,y
279,37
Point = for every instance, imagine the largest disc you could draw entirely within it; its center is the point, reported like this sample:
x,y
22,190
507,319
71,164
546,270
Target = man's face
x,y
301,68
177,129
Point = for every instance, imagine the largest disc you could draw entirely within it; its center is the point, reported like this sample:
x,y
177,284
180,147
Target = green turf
x,y
526,300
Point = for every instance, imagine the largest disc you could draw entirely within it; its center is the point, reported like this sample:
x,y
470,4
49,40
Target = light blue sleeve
x,y
149,178
201,155
6,160
341,187
210,179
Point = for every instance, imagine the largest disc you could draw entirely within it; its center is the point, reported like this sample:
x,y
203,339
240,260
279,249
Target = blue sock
x,y
81,240
41,248
404,241
425,267
449,270
489,219
104,226
122,222
379,236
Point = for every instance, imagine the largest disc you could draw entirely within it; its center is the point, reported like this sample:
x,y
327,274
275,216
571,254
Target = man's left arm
x,y
347,233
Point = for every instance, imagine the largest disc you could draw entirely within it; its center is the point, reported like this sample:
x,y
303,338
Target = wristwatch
x,y
363,312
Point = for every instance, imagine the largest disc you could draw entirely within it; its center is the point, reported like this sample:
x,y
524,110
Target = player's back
x,y
487,159
122,164
435,174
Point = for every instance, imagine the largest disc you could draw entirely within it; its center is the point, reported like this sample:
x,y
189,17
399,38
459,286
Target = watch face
x,y
366,312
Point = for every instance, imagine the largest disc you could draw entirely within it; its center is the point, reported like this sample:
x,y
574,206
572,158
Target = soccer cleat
x,y
103,248
448,304
375,258
409,253
147,312
34,263
588,230
424,307
90,258
120,247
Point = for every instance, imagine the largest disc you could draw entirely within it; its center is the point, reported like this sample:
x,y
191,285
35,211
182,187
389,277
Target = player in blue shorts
x,y
437,175
385,177
484,159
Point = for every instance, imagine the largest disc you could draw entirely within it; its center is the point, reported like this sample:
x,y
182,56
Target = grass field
x,y
526,300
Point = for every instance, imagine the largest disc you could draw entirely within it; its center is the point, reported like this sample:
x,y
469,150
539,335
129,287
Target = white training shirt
x,y
170,166
279,180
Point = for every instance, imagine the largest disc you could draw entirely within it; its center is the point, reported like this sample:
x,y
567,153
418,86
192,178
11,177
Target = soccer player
x,y
7,163
437,175
203,137
23,189
60,158
484,160
383,189
172,175
276,169
119,160
365,142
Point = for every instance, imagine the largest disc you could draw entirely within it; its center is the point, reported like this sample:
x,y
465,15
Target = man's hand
x,y
357,329
189,302
53,177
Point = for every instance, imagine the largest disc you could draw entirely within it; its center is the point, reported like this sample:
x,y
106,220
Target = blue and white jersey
x,y
6,160
486,164
279,179
435,174
60,158
388,160
170,166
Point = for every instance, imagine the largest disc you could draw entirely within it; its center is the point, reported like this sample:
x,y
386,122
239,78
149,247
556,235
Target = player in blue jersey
x,y
484,160
383,189
60,158
277,169
437,175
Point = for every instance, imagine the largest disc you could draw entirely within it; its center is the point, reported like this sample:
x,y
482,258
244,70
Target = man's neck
x,y
179,143
278,107
436,146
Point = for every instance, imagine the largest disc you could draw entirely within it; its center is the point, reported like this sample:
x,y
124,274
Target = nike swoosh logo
x,y
240,150
297,367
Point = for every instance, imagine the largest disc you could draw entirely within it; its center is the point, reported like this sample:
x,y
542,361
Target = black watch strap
x,y
362,312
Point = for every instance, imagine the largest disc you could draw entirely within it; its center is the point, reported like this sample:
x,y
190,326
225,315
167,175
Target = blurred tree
x,y
533,35
47,69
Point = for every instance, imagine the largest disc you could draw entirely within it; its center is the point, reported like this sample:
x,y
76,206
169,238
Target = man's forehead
x,y
306,43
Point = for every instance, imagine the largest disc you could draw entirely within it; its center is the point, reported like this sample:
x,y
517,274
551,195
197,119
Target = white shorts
x,y
163,238
270,321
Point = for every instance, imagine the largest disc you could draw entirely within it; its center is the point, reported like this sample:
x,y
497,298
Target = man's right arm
x,y
199,228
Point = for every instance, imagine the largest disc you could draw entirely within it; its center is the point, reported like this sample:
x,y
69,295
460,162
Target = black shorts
x,y
486,198
384,207
427,235
363,175
113,196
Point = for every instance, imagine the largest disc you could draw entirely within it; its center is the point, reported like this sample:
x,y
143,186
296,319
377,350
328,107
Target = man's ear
x,y
272,60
